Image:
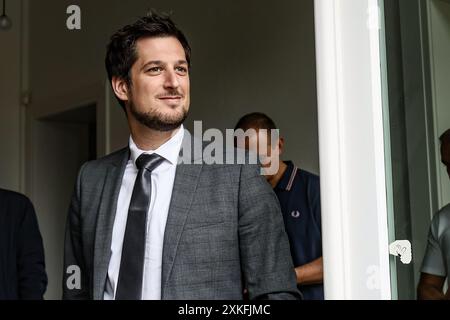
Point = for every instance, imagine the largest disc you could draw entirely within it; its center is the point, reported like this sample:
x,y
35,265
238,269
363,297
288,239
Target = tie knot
x,y
148,161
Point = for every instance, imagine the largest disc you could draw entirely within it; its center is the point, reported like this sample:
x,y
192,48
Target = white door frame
x,y
352,154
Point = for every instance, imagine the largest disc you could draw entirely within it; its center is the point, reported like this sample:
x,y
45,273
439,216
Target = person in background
x,y
298,192
22,263
436,262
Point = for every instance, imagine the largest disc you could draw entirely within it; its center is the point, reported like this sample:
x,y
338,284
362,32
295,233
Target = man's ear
x,y
120,88
281,145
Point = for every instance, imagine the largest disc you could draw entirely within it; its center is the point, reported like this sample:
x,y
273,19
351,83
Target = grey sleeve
x,y
265,253
433,261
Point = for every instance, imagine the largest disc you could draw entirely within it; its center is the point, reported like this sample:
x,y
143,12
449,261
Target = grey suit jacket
x,y
224,231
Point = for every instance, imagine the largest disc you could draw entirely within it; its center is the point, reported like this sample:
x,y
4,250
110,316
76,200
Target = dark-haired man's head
x,y
148,65
256,120
258,133
445,150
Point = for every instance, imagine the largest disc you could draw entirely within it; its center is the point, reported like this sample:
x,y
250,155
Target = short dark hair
x,y
121,51
256,120
445,137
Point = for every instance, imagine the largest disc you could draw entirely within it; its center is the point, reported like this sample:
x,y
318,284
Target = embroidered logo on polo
x,y
295,214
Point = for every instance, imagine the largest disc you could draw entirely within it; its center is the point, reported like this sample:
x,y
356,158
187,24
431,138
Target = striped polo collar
x,y
288,177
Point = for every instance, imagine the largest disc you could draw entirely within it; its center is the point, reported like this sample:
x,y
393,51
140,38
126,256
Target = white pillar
x,y
352,157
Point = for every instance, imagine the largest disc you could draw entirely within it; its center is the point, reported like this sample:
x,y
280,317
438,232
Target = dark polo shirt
x,y
299,194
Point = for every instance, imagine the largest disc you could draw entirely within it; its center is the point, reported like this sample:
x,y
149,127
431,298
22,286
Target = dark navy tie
x,y
129,285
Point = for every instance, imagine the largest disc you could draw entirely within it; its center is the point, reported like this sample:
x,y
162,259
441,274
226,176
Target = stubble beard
x,y
157,120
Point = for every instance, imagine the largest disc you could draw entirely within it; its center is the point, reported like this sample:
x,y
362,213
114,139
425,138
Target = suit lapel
x,y
184,189
105,221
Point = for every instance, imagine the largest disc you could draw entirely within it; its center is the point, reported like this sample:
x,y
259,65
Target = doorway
x,y
61,143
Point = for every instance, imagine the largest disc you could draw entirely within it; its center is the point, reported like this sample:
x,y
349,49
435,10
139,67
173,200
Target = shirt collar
x,y
170,150
288,177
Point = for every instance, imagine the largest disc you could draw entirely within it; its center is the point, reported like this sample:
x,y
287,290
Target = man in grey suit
x,y
142,225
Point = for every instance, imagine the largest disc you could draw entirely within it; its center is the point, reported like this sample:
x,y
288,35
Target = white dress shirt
x,y
162,184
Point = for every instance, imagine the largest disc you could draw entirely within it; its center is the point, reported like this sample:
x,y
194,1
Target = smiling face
x,y
158,96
